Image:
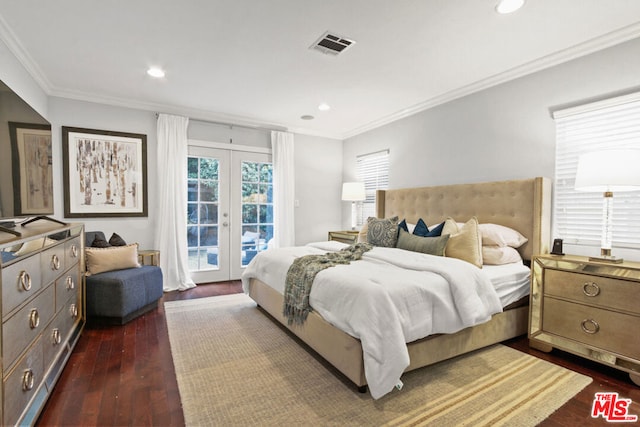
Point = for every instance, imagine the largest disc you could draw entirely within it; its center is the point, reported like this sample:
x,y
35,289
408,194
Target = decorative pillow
x,y
362,235
498,255
99,242
99,260
499,235
465,242
426,245
116,240
382,232
420,228
406,226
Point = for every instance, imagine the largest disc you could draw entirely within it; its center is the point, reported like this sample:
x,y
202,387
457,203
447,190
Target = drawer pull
x,y
25,280
591,289
34,318
69,283
74,251
55,262
73,310
590,326
27,380
55,336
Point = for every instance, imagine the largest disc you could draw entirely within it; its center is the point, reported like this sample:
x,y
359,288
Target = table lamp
x,y
353,192
608,171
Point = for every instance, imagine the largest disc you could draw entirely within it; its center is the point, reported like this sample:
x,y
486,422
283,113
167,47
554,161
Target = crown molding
x,y
17,49
594,45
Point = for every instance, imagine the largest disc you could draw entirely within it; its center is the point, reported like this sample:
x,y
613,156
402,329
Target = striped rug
x,y
235,366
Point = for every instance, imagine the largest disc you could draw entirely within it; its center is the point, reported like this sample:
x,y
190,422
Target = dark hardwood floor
x,y
124,376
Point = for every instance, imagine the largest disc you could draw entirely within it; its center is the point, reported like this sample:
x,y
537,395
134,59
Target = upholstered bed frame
x,y
523,205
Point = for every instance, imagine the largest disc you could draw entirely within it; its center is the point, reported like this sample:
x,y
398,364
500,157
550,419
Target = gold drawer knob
x,y
73,310
590,326
590,289
34,318
55,336
27,380
55,262
69,283
74,251
25,280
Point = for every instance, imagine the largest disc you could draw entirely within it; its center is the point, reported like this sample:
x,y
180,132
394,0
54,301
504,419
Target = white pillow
x,y
499,255
499,235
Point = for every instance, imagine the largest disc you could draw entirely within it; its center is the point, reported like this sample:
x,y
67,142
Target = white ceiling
x,y
248,61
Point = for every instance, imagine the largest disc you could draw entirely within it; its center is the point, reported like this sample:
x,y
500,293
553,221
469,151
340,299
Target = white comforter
x,y
388,298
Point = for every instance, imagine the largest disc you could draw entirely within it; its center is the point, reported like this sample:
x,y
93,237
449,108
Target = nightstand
x,y
587,308
349,236
149,257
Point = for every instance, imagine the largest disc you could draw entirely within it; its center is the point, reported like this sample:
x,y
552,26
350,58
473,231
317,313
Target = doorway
x,y
229,211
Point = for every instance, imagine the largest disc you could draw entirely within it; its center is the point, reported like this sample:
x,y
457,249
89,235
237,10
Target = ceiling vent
x,y
332,44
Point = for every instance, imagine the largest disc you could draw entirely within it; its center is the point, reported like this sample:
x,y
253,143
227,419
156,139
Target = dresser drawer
x,y
67,286
52,263
72,252
22,383
615,332
20,281
24,326
601,291
55,336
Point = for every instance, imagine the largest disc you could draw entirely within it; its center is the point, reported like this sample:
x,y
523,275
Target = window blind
x,y
373,170
609,124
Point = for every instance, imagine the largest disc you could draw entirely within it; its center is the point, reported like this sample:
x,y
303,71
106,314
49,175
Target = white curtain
x,y
171,237
283,189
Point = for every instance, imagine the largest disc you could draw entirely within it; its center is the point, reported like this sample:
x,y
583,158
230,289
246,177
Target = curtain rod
x,y
232,125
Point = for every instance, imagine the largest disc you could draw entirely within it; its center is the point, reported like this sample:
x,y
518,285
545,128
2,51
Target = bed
x,y
522,205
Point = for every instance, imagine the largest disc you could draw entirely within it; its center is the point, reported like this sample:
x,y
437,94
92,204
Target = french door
x,y
229,211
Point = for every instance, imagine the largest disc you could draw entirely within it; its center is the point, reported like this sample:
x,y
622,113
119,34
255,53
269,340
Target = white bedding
x,y
388,298
511,281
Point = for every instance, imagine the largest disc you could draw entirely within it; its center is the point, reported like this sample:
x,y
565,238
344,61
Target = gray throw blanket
x,y
303,271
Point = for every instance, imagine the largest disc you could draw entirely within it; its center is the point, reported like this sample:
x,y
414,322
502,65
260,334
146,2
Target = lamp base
x,y
607,258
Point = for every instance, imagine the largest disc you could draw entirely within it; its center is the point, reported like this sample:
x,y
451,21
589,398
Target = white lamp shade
x,y
353,191
609,170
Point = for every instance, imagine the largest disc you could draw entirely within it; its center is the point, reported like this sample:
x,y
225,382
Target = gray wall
x,y
319,207
505,132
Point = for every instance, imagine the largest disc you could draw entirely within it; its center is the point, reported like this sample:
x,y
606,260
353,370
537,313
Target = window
x,y
609,124
373,170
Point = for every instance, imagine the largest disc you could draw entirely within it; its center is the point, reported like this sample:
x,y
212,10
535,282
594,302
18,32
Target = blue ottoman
x,y
118,296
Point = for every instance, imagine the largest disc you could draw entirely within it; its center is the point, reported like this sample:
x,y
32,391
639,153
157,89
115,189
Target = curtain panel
x,y
283,189
171,238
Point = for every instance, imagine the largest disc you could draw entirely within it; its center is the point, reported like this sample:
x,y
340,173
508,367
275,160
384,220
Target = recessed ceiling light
x,y
324,107
307,117
509,6
155,72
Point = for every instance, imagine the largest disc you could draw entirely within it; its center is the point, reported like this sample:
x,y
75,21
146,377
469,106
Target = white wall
x,y
65,112
505,132
318,167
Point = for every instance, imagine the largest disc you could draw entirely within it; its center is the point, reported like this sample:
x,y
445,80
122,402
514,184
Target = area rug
x,y
236,366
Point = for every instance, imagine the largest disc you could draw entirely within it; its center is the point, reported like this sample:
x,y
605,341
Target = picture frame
x,y
104,173
32,168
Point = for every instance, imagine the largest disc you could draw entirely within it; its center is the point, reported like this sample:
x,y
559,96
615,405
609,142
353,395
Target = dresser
x,y
587,308
42,313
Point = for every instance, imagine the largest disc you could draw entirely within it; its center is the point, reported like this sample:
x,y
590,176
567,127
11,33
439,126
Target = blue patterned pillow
x,y
382,232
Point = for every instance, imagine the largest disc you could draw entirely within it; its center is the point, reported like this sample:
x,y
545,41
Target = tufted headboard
x,y
524,205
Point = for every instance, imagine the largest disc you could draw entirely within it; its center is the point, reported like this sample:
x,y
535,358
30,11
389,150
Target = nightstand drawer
x,y
603,329
601,291
349,237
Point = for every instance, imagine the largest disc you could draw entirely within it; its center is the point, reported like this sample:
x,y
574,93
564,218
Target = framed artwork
x,y
32,168
105,173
